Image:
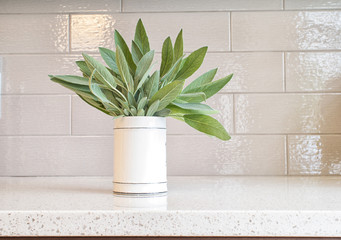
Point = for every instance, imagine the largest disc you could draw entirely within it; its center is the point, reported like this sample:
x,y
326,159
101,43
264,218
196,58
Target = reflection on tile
x,y
35,115
253,72
199,5
33,33
90,31
32,77
288,113
53,155
313,71
315,155
242,155
312,4
286,30
87,120
59,6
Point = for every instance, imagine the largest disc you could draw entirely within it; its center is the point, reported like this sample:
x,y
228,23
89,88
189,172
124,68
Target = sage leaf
x,y
141,37
201,80
207,124
136,52
167,56
178,47
109,58
119,41
124,69
84,68
152,84
192,97
143,66
190,108
153,108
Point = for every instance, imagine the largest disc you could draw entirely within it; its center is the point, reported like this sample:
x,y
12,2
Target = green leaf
x,y
201,80
119,41
142,103
96,104
213,87
170,75
136,52
79,89
131,99
109,58
163,113
167,94
153,108
141,37
178,47
190,108
140,112
152,84
143,66
84,68
102,74
72,79
192,97
124,69
167,56
191,63
207,124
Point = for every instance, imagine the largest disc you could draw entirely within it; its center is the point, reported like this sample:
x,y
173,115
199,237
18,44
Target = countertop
x,y
194,206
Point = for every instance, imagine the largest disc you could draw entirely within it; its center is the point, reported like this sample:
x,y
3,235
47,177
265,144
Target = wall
x,y
282,107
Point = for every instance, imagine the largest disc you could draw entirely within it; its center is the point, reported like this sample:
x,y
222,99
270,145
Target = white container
x,y
140,155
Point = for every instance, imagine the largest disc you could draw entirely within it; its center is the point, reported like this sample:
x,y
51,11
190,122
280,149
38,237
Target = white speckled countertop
x,y
195,206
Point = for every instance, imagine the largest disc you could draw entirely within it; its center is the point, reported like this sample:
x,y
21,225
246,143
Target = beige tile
x,y
199,5
33,33
59,6
312,4
35,115
286,30
87,120
315,155
56,156
28,74
313,71
221,102
288,113
242,155
200,29
253,72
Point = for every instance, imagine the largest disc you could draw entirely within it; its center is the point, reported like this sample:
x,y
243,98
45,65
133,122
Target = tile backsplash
x,y
282,108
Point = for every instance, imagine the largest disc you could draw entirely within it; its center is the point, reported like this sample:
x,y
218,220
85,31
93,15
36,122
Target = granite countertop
x,y
195,206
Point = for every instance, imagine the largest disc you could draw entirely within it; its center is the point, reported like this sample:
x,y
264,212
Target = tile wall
x,y
282,108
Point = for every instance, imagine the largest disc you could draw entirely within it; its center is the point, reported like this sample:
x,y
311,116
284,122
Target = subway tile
x,y
56,156
33,33
253,72
34,115
288,113
199,5
28,74
242,155
313,71
312,4
315,155
221,102
91,31
59,6
286,31
87,120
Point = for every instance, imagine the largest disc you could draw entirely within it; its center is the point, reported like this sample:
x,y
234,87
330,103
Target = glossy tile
x,y
33,33
59,6
221,102
200,29
28,74
286,31
242,155
313,71
87,120
253,72
288,113
315,155
312,4
56,156
199,5
35,115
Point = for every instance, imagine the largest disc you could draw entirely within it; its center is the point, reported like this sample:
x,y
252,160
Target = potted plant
x,y
139,99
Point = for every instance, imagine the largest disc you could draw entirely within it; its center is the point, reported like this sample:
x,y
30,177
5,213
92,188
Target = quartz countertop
x,y
194,206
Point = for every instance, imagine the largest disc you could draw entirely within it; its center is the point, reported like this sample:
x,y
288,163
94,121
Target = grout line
x,y
234,113
156,12
284,72
286,154
121,6
283,5
69,33
71,115
223,51
230,32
